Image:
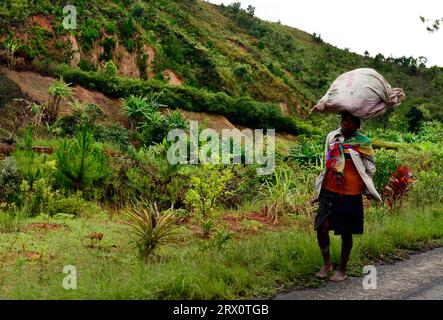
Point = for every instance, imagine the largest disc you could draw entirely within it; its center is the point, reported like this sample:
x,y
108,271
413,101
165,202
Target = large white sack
x,y
363,92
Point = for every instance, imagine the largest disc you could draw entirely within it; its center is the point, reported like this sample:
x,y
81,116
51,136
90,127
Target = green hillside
x,y
87,182
206,47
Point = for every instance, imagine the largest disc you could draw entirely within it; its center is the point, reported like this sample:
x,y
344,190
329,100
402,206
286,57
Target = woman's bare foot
x,y
339,276
323,273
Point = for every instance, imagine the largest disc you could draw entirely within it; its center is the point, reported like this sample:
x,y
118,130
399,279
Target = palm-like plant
x,y
58,91
152,227
135,109
11,48
141,109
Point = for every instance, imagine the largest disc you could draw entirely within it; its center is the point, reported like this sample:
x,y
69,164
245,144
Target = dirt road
x,y
420,277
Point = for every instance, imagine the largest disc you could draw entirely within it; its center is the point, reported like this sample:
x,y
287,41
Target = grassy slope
x,y
206,44
244,268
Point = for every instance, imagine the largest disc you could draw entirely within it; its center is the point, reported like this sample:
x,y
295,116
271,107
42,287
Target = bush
x,y
431,131
387,161
89,32
111,69
83,114
74,205
114,134
242,110
10,179
87,66
39,198
428,189
208,185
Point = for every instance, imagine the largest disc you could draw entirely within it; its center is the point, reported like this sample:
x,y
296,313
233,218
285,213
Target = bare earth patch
x,y
173,78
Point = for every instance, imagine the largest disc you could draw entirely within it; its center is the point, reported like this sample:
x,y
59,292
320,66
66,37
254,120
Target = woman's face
x,y
348,125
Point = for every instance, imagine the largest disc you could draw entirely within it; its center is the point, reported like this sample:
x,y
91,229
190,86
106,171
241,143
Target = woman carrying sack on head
x,y
340,188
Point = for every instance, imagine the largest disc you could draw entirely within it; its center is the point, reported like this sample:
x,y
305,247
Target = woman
x,y
339,189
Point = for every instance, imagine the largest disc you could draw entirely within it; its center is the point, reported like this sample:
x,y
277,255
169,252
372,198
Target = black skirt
x,y
345,212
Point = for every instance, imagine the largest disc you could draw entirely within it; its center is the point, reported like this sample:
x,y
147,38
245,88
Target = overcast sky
x,y
391,27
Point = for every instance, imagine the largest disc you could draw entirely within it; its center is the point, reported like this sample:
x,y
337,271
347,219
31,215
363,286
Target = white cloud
x,y
390,27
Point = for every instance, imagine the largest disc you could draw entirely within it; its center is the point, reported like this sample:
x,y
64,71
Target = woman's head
x,y
349,123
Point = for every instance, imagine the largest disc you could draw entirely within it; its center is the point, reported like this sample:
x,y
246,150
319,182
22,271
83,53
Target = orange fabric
x,y
352,183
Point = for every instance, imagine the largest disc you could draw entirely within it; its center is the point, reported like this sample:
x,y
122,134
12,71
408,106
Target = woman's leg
x,y
323,242
346,247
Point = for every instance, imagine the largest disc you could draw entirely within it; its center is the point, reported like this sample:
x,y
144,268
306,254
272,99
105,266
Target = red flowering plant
x,y
398,186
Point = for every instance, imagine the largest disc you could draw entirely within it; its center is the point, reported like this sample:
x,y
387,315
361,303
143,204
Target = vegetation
x,y
85,176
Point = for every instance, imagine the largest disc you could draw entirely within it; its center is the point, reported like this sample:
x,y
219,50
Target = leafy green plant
x,y
151,227
308,153
11,48
136,107
431,131
79,162
207,186
387,161
39,198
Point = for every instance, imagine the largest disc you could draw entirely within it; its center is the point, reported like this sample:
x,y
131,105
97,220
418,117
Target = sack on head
x,y
362,92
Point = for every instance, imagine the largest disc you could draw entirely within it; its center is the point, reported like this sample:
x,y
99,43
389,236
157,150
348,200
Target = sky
x,y
390,27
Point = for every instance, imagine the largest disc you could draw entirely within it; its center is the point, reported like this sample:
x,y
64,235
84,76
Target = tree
x,y
235,7
79,163
251,10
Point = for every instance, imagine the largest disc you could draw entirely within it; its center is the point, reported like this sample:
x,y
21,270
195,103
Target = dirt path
x,y
420,277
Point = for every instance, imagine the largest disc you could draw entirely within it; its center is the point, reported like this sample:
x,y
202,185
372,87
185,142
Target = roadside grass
x,y
32,260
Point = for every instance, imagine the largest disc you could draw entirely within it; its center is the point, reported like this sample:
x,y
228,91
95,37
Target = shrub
x,y
428,189
242,110
74,205
207,186
89,32
308,152
111,69
114,134
39,198
431,131
87,66
387,161
10,179
242,71
83,114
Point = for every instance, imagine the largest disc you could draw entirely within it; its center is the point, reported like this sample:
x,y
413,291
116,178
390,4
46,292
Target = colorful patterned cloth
x,y
335,159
